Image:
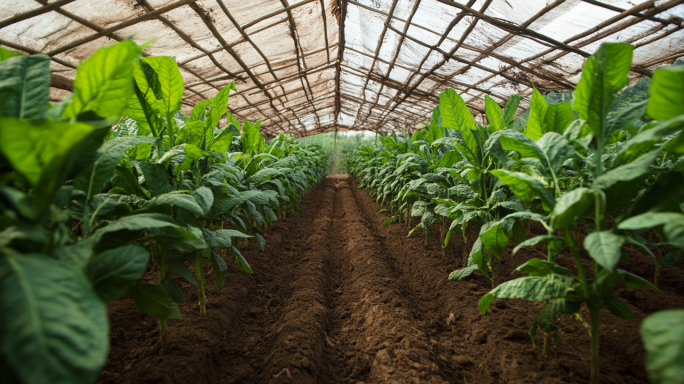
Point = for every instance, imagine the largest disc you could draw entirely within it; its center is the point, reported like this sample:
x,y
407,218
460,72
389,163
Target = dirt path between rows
x,y
338,298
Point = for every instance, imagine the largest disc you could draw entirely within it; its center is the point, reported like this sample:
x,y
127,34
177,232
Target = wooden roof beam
x,y
34,12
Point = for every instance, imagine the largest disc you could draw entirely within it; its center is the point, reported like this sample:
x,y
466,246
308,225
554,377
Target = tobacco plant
x,y
620,178
85,205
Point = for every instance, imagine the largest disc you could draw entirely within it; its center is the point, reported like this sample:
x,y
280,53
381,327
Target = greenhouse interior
x,y
341,191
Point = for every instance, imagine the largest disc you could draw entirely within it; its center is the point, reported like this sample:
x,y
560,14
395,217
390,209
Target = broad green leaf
x,y
479,257
516,141
232,120
226,203
219,268
251,140
495,237
519,232
494,114
554,243
102,205
147,82
525,187
556,150
493,147
531,288
154,300
38,149
649,220
626,116
199,109
218,107
552,149
456,115
623,183
663,335
667,93
617,307
674,233
156,178
222,141
462,273
143,114
173,290
510,109
128,228
449,159
204,198
7,54
182,200
25,86
538,267
191,133
55,329
435,132
604,247
550,312
92,180
262,175
192,153
181,269
633,281
559,117
646,140
570,207
241,260
115,271
603,75
104,82
124,178
142,151
535,125
261,242
170,82
44,152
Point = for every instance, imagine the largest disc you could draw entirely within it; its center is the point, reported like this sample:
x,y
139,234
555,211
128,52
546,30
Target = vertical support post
x,y
335,153
376,137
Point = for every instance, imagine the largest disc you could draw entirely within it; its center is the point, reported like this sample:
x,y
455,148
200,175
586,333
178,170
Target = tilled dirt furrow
x,y
297,338
379,329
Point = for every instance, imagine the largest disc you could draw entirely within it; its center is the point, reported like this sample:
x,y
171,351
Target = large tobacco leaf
x,y
54,327
103,83
25,86
663,334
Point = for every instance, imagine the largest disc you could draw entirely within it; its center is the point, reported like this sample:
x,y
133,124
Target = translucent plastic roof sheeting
x,y
312,66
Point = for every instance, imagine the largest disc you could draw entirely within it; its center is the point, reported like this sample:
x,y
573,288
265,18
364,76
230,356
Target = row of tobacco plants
x,y
95,187
571,166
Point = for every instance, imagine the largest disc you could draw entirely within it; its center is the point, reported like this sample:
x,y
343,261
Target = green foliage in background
x,y
346,142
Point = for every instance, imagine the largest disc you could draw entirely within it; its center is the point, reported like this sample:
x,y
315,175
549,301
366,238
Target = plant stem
x,y
658,263
465,250
199,273
494,264
546,344
595,318
163,327
578,262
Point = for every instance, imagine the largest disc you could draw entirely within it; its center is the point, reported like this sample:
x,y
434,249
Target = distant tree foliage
x,y
346,142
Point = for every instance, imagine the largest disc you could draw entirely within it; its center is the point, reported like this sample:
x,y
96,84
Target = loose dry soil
x,y
338,298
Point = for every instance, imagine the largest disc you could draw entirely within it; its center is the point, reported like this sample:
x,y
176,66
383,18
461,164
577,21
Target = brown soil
x,y
338,298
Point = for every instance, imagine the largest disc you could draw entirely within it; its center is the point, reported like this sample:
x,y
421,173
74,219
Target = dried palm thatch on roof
x,y
313,66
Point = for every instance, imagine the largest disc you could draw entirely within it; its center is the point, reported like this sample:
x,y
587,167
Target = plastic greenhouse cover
x,y
313,66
